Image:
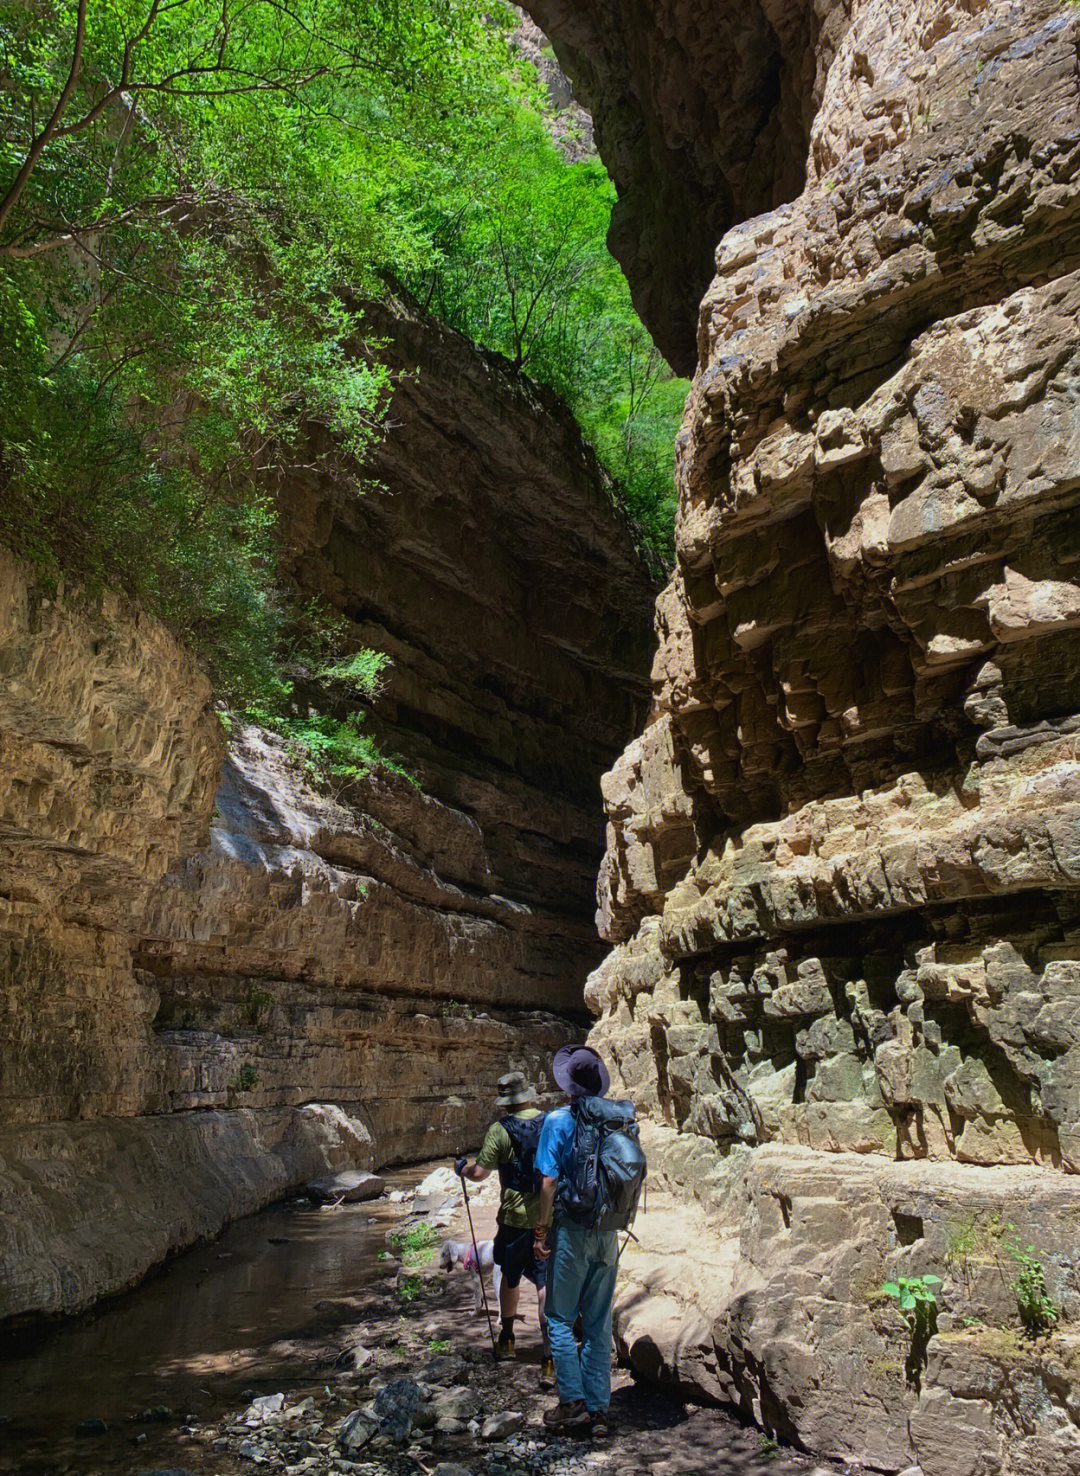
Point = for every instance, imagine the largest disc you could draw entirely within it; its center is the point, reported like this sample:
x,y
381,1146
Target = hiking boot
x,y
506,1347
599,1423
568,1419
547,1368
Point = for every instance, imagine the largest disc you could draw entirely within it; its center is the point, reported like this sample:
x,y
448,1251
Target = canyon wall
x,y
218,978
843,859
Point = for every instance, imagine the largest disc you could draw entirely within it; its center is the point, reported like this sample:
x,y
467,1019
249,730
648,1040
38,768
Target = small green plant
x,y
455,1009
383,1256
416,1244
917,1300
962,1240
258,1000
363,671
768,1449
409,1289
438,1345
245,1080
1038,1311
331,749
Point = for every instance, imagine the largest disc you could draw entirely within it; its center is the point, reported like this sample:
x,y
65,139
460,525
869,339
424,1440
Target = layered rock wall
x,y
218,979
843,862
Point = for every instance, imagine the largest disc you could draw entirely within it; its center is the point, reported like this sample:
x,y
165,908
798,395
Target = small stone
x,y
264,1408
499,1426
90,1427
356,1431
448,1468
446,1368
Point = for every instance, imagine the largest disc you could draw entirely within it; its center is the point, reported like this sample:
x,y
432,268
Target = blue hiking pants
x,y
581,1279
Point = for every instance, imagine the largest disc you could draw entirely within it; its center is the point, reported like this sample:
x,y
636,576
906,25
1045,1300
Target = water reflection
x,y
212,1323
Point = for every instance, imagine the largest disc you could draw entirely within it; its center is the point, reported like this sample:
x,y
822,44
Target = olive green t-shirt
x,y
519,1211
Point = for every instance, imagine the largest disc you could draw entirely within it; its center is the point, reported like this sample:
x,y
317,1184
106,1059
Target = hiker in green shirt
x,y
509,1148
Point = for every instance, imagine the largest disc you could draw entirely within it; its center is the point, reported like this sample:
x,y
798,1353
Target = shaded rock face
x,y
702,115
779,1309
206,960
842,862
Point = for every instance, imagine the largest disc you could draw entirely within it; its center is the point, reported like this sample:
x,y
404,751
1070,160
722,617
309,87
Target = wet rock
x,y
448,1468
87,1428
351,1186
499,1426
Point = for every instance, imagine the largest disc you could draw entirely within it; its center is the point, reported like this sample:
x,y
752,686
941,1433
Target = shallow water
x,y
195,1337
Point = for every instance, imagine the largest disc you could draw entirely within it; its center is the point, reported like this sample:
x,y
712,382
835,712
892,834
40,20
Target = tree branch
x,y
11,199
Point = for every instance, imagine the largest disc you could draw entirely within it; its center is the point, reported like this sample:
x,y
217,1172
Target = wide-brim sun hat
x,y
569,1062
514,1091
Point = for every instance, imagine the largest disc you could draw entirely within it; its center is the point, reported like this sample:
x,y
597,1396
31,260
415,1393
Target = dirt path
x,y
420,1324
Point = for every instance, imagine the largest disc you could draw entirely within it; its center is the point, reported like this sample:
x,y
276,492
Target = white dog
x,y
460,1253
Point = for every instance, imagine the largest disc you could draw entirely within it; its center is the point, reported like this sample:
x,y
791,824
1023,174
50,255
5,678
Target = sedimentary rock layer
x,y
843,862
852,836
780,1311
195,933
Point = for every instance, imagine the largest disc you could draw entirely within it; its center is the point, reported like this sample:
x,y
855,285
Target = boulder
x,y
440,1188
351,1186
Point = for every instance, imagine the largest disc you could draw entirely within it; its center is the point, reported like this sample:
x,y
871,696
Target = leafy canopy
x,y
186,186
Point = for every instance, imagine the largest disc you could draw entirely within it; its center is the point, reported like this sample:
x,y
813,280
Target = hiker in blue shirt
x,y
584,1262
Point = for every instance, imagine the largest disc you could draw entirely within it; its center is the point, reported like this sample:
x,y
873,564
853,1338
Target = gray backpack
x,y
606,1168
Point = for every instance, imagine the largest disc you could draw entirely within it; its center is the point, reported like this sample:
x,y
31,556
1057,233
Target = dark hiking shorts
x,y
513,1254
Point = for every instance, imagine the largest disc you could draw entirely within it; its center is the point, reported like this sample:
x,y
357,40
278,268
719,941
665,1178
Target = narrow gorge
x,y
218,979
831,949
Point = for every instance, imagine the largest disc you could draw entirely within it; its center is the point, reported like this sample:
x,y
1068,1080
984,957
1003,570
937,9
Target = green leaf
x,y
907,1302
890,1288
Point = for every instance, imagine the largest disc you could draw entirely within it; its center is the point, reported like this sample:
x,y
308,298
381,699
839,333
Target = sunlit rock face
x,y
843,861
218,979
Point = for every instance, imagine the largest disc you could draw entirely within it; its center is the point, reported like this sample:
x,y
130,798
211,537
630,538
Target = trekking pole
x,y
479,1270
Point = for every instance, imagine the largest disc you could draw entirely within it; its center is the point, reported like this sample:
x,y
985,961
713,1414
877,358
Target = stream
x,y
153,1382
252,1308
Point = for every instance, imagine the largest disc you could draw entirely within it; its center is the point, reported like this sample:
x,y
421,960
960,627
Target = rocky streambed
x,y
312,1340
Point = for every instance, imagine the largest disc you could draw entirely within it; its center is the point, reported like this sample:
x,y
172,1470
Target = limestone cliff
x,y
843,862
217,980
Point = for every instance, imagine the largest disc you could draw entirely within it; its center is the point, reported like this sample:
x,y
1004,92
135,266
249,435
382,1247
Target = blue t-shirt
x,y
556,1140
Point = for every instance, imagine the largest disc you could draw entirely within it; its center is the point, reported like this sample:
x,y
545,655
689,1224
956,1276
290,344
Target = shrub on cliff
x,y
185,188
